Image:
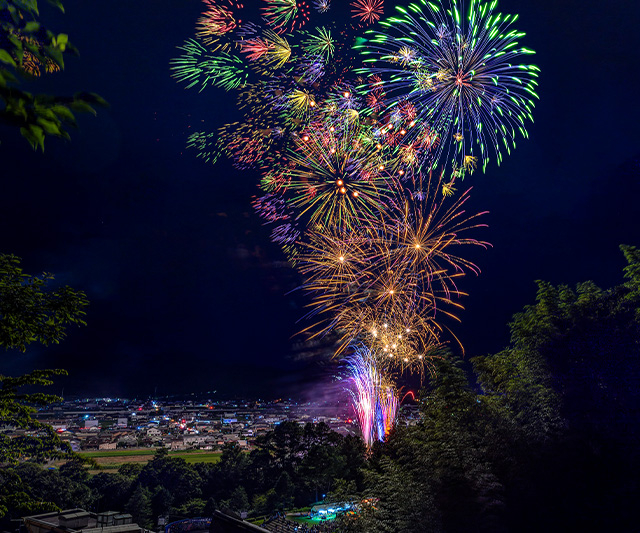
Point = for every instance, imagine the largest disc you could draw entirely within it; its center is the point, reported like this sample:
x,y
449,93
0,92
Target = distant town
x,y
110,424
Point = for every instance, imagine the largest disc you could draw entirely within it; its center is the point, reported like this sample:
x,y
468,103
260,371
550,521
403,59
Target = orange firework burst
x,y
34,61
34,65
400,268
405,339
420,231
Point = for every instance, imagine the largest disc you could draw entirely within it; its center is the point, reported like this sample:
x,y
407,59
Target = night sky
x,y
187,292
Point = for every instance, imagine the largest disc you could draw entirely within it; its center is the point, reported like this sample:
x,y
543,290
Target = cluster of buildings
x,y
81,521
109,424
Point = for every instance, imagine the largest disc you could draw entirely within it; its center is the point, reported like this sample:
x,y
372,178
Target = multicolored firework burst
x,y
458,63
319,44
322,6
286,15
409,341
206,144
374,397
219,24
214,22
336,179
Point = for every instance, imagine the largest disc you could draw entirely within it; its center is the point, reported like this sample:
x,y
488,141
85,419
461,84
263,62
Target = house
x,y
127,441
194,440
178,444
154,433
79,520
91,443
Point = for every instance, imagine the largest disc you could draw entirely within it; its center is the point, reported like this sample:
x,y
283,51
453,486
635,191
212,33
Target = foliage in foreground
x,y
30,311
37,442
28,49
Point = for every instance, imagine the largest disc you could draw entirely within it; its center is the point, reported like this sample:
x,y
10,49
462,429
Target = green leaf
x,y
57,3
97,99
55,54
16,106
15,41
32,47
64,113
7,76
61,41
45,113
5,57
48,126
38,134
82,106
26,133
31,26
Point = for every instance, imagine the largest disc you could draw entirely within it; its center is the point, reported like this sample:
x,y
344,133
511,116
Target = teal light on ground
x,y
314,520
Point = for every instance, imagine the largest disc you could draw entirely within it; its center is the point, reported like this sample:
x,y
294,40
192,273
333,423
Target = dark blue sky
x,y
188,294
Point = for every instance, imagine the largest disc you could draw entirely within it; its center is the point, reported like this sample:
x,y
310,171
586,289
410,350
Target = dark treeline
x,y
542,436
291,466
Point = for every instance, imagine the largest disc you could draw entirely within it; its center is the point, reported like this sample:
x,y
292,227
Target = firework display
x,y
399,269
459,64
374,397
359,137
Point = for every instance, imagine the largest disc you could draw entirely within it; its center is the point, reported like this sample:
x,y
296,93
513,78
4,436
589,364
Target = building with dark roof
x,y
81,521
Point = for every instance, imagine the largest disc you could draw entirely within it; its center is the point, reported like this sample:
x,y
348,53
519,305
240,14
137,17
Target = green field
x,y
114,459
144,451
211,457
119,453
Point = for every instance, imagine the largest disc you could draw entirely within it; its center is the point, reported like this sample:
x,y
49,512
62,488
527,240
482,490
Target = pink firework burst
x,y
368,11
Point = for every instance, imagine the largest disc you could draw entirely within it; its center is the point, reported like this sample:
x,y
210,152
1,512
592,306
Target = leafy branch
x,y
26,49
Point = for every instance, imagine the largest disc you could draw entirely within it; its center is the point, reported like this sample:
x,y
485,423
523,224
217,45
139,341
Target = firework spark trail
x,y
286,15
374,397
